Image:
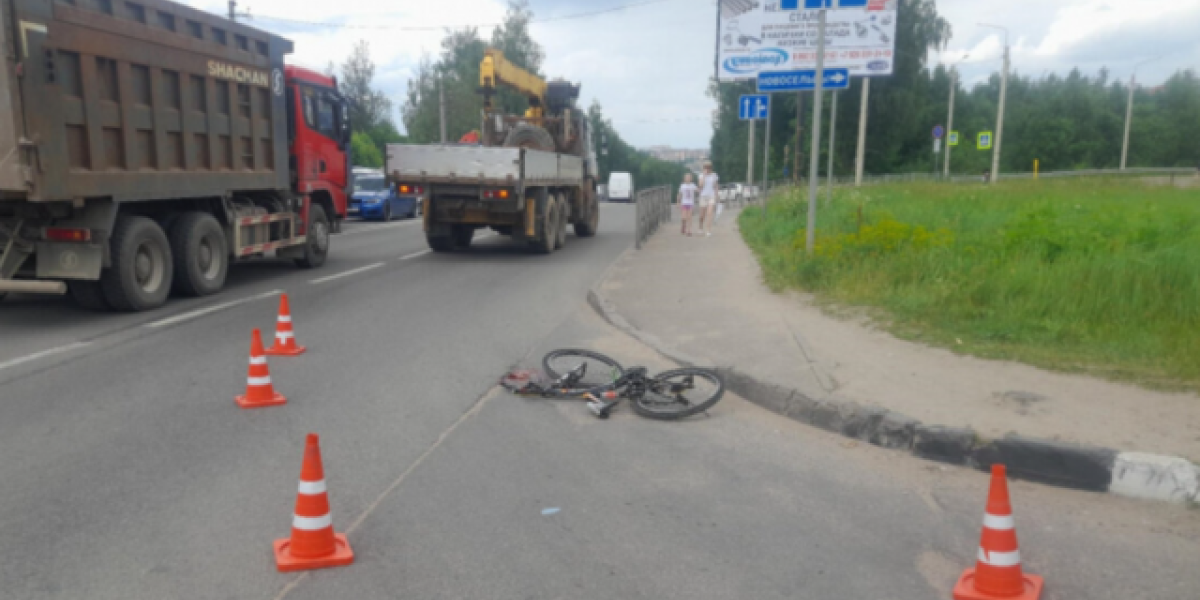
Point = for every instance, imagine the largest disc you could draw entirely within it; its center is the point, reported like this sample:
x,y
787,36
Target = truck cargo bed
x,y
467,165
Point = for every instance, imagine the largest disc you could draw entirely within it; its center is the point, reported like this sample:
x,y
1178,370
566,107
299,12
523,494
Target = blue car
x,y
374,198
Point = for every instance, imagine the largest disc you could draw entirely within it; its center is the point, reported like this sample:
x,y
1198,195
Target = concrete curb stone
x,y
1091,468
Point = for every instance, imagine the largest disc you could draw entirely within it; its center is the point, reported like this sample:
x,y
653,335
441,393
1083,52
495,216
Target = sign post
x,y
810,234
752,107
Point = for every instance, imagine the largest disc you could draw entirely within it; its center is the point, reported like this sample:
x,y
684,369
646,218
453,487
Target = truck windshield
x,y
369,184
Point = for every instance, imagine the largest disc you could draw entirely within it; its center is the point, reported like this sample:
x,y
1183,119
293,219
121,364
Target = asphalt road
x,y
129,473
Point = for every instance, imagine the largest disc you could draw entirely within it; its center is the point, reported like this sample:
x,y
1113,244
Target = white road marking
x,y
44,353
347,273
415,255
200,312
369,228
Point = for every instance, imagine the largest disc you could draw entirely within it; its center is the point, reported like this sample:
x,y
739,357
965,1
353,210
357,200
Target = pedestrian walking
x,y
708,198
687,200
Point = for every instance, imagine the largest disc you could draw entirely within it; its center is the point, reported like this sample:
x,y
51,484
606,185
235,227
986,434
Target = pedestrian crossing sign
x,y
953,141
985,140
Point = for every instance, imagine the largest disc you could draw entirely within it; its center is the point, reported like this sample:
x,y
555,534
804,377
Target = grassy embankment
x,y
1098,276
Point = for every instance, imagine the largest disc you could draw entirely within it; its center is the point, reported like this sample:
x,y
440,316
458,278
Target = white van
x,y
620,187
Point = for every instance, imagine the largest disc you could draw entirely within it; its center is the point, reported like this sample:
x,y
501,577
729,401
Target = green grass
x,y
1100,276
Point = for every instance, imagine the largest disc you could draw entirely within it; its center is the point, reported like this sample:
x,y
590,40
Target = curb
x,y
1076,466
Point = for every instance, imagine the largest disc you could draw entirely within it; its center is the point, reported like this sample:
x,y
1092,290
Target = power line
x,y
582,15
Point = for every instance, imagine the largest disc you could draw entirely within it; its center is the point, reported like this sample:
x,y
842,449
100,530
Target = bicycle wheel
x,y
597,369
679,393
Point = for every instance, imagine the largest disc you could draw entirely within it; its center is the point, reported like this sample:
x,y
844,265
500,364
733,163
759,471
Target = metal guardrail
x,y
653,209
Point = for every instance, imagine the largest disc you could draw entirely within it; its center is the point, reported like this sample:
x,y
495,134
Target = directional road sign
x,y
953,141
938,132
753,107
985,140
811,4
803,79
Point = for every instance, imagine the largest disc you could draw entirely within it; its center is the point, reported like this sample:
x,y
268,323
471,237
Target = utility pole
x,y
799,128
995,174
810,237
232,11
862,132
442,108
950,116
1129,110
832,135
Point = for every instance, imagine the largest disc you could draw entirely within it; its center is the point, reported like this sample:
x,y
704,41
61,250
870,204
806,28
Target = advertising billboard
x,y
766,35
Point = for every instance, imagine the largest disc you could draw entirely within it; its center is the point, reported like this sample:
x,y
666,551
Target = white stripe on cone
x,y
312,523
285,319
998,522
1000,559
312,488
284,335
259,381
258,360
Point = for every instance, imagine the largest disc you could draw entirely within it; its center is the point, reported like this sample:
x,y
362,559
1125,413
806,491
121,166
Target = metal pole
x,y
750,158
1128,120
995,175
862,132
810,235
950,121
832,135
799,127
232,10
442,108
767,148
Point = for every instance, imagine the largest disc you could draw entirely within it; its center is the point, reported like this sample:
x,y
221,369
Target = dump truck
x,y
529,176
145,146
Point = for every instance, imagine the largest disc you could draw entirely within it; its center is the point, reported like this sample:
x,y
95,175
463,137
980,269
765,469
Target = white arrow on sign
x,y
837,78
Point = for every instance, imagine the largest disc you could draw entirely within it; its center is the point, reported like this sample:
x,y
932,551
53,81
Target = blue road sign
x,y
753,107
811,4
938,132
802,79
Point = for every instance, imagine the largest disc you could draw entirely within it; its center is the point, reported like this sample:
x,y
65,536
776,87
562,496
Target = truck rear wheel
x,y
547,218
462,235
142,269
88,295
201,254
586,225
560,229
440,242
316,246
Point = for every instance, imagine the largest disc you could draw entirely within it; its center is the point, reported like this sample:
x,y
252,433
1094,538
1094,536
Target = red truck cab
x,y
319,135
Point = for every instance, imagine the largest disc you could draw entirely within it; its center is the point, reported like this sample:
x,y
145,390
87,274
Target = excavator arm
x,y
495,71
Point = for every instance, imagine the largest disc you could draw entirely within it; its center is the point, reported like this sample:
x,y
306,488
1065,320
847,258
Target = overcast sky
x,y
649,64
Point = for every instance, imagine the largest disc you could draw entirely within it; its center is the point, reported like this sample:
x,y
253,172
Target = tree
x,y
368,107
364,151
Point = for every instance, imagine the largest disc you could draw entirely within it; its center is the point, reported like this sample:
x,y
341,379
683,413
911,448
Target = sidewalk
x,y
704,296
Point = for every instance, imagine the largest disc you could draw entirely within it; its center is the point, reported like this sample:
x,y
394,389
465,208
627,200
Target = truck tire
x,y
525,135
462,236
586,225
440,243
88,295
316,247
560,231
142,269
201,254
546,218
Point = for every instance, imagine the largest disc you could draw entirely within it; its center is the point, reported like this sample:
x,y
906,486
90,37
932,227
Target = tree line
x,y
454,75
1064,122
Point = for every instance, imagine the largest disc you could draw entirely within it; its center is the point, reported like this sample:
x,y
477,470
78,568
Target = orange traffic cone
x,y
285,337
313,544
259,391
997,574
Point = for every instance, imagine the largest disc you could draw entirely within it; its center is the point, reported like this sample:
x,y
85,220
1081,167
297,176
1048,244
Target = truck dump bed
x,y
467,165
137,100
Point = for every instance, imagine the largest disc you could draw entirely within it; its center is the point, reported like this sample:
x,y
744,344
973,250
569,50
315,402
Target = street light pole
x,y
995,174
1129,111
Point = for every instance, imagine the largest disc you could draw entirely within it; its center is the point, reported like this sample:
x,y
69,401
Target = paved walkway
x,y
704,296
